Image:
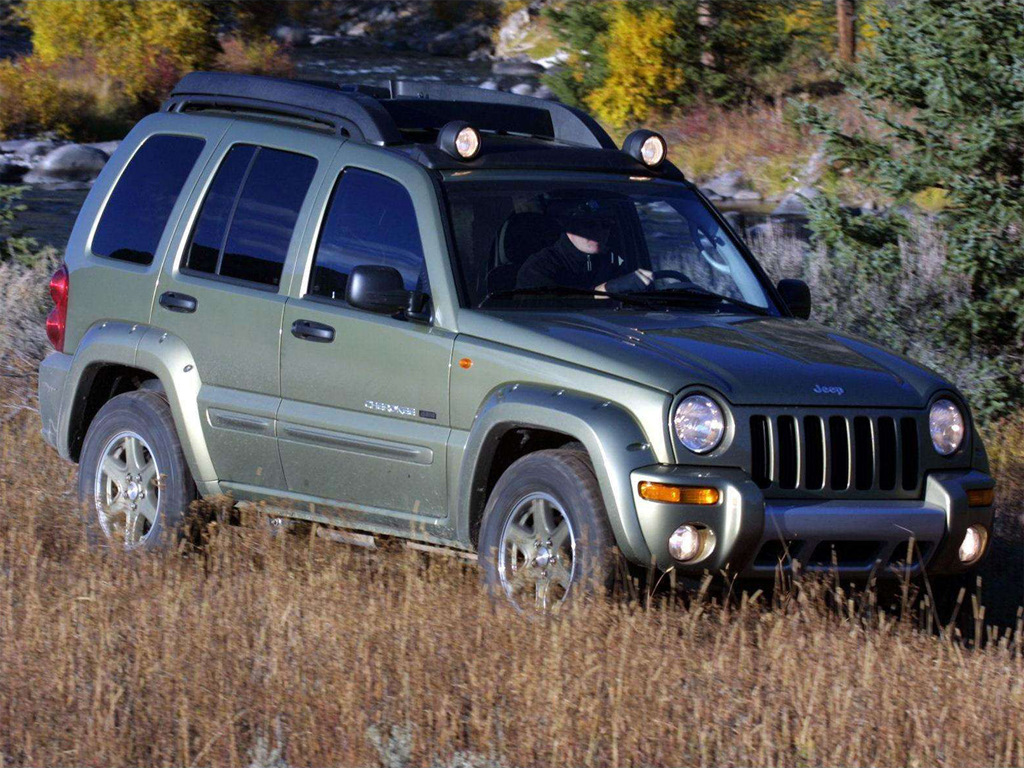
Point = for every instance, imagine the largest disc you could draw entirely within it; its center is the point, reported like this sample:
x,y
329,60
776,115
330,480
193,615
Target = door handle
x,y
178,302
310,331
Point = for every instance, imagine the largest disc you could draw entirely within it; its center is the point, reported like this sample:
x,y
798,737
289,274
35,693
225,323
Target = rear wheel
x,y
132,476
545,534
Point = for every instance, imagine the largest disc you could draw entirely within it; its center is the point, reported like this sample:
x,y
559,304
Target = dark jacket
x,y
563,264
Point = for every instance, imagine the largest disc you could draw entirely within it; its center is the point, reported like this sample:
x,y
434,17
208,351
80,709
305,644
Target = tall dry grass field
x,y
293,650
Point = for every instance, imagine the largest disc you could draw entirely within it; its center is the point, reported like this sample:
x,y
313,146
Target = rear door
x,y
364,421
224,291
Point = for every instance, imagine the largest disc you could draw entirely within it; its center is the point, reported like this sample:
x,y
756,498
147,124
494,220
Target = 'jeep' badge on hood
x,y
822,390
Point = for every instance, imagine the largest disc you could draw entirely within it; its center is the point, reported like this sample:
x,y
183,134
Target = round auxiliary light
x,y
685,543
646,146
946,425
699,423
973,544
460,140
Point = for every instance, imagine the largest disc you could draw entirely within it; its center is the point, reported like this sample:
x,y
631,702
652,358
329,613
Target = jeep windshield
x,y
586,241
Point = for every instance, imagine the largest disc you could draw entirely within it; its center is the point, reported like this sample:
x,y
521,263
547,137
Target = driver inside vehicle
x,y
581,258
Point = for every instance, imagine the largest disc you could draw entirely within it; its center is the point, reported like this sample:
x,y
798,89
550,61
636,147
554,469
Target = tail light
x,y
57,320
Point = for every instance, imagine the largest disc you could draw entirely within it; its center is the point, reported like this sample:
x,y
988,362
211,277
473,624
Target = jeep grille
x,y
839,455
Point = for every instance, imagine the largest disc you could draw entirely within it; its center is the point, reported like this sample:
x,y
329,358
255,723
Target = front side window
x,y
599,242
248,216
136,214
370,220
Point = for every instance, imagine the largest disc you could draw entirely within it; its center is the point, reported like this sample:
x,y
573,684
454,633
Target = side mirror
x,y
376,289
381,289
797,296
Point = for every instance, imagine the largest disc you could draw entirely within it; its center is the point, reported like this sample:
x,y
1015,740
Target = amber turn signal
x,y
981,497
465,363
678,494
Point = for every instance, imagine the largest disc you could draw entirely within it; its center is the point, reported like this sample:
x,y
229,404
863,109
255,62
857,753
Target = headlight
x,y
699,423
946,424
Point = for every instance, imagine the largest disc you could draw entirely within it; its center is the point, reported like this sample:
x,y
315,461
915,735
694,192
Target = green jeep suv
x,y
470,319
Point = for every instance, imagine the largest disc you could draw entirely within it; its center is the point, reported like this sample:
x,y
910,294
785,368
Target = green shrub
x,y
942,93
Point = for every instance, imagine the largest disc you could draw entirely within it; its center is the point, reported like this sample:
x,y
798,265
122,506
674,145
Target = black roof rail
x,y
378,115
354,114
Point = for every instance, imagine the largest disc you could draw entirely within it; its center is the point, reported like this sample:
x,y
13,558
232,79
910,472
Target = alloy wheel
x,y
127,489
537,553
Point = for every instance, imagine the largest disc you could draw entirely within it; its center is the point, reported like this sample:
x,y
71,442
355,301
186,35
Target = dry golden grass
x,y
293,650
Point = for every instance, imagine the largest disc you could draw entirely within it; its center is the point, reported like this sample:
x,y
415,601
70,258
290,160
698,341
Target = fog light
x,y
973,544
981,497
678,494
685,543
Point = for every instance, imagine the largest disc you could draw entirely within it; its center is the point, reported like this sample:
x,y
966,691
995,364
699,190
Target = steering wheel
x,y
670,274
707,250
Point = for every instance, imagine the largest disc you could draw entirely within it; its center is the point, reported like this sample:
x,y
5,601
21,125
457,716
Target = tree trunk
x,y
846,20
706,20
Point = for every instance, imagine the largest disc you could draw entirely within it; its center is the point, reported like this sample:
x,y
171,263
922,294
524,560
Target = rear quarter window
x,y
136,214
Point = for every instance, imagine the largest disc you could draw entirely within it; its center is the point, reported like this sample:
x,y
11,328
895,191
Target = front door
x,y
224,291
363,424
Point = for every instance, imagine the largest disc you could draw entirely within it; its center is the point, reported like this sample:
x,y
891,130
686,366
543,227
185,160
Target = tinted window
x,y
136,213
208,236
249,214
370,220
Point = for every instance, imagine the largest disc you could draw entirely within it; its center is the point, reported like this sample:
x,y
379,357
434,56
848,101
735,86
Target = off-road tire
x,y
148,415
567,476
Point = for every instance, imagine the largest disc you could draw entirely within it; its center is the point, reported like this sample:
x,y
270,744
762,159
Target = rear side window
x,y
248,217
136,213
370,220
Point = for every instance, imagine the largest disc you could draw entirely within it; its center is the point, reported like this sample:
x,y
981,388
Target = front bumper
x,y
755,536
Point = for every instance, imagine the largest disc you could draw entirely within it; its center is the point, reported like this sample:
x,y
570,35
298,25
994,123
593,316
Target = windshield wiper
x,y
697,294
636,298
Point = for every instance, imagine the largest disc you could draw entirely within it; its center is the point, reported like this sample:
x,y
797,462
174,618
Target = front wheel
x,y
132,476
545,534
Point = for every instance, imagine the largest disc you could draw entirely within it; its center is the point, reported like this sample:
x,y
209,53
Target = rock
x,y
517,68
795,203
323,39
11,171
30,149
746,194
481,54
450,43
359,29
543,92
72,162
710,194
489,85
522,89
728,184
513,31
107,147
293,36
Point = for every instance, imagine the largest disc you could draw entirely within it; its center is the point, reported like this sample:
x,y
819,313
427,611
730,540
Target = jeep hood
x,y
749,360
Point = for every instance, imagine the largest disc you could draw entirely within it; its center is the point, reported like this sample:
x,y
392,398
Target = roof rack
x,y
379,115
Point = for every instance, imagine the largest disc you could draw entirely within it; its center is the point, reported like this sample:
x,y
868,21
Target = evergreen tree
x,y
943,93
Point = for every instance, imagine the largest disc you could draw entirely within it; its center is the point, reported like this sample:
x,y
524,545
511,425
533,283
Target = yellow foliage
x,y
35,97
254,57
640,70
142,46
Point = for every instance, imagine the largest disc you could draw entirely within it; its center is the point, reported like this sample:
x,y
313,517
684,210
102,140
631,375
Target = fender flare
x,y
165,356
614,439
